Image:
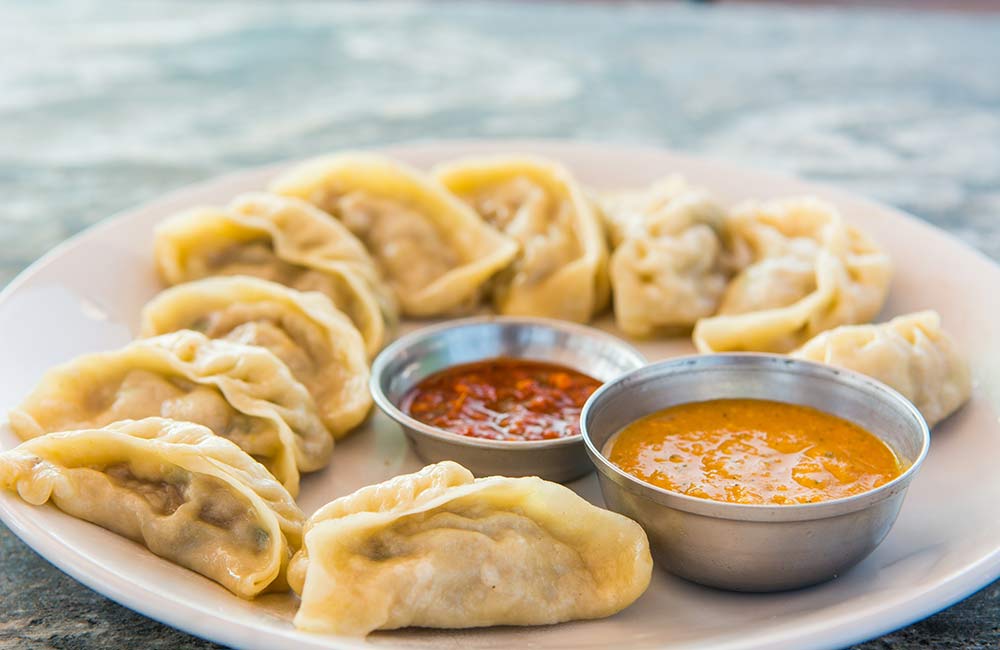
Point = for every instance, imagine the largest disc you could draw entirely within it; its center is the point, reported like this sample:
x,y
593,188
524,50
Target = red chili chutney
x,y
503,399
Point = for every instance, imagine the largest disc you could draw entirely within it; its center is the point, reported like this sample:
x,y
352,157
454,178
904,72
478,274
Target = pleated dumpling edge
x,y
435,252
561,270
318,343
187,494
440,549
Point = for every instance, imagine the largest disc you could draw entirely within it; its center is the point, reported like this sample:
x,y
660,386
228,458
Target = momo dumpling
x,y
317,342
441,549
435,252
625,210
910,353
283,240
561,270
241,392
803,271
672,262
188,495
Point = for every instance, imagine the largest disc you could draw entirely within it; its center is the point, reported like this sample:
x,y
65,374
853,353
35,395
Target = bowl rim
x,y
750,511
388,354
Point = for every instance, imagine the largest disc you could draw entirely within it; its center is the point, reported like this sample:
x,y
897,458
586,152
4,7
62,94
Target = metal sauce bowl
x,y
755,547
415,356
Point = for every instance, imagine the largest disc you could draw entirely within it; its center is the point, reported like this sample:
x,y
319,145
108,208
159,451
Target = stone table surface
x,y
105,104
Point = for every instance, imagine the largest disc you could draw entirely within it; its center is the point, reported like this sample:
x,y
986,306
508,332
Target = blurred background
x,y
105,104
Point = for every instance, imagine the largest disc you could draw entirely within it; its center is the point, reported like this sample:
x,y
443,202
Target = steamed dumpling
x,y
625,210
188,495
313,338
434,251
561,271
241,392
283,240
672,261
807,272
441,549
910,353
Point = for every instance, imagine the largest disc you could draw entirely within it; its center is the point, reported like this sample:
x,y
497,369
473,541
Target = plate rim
x,y
843,630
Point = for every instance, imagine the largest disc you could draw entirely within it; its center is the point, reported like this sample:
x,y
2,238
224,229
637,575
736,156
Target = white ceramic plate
x,y
86,296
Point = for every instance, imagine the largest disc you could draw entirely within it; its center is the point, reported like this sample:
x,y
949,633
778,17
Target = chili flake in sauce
x,y
503,399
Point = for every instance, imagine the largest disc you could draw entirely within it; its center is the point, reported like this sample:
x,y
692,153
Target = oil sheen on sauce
x,y
503,399
753,451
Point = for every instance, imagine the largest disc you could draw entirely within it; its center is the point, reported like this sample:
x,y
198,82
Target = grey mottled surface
x,y
105,104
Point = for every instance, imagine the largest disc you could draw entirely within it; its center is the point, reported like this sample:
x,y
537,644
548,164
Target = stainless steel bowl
x,y
755,547
415,356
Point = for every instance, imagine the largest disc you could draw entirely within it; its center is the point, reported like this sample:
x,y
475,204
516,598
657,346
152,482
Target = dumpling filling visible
x,y
164,494
142,393
241,392
434,251
259,260
410,250
283,240
206,500
186,494
317,342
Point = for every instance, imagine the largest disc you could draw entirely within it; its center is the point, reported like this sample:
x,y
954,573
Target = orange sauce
x,y
753,451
